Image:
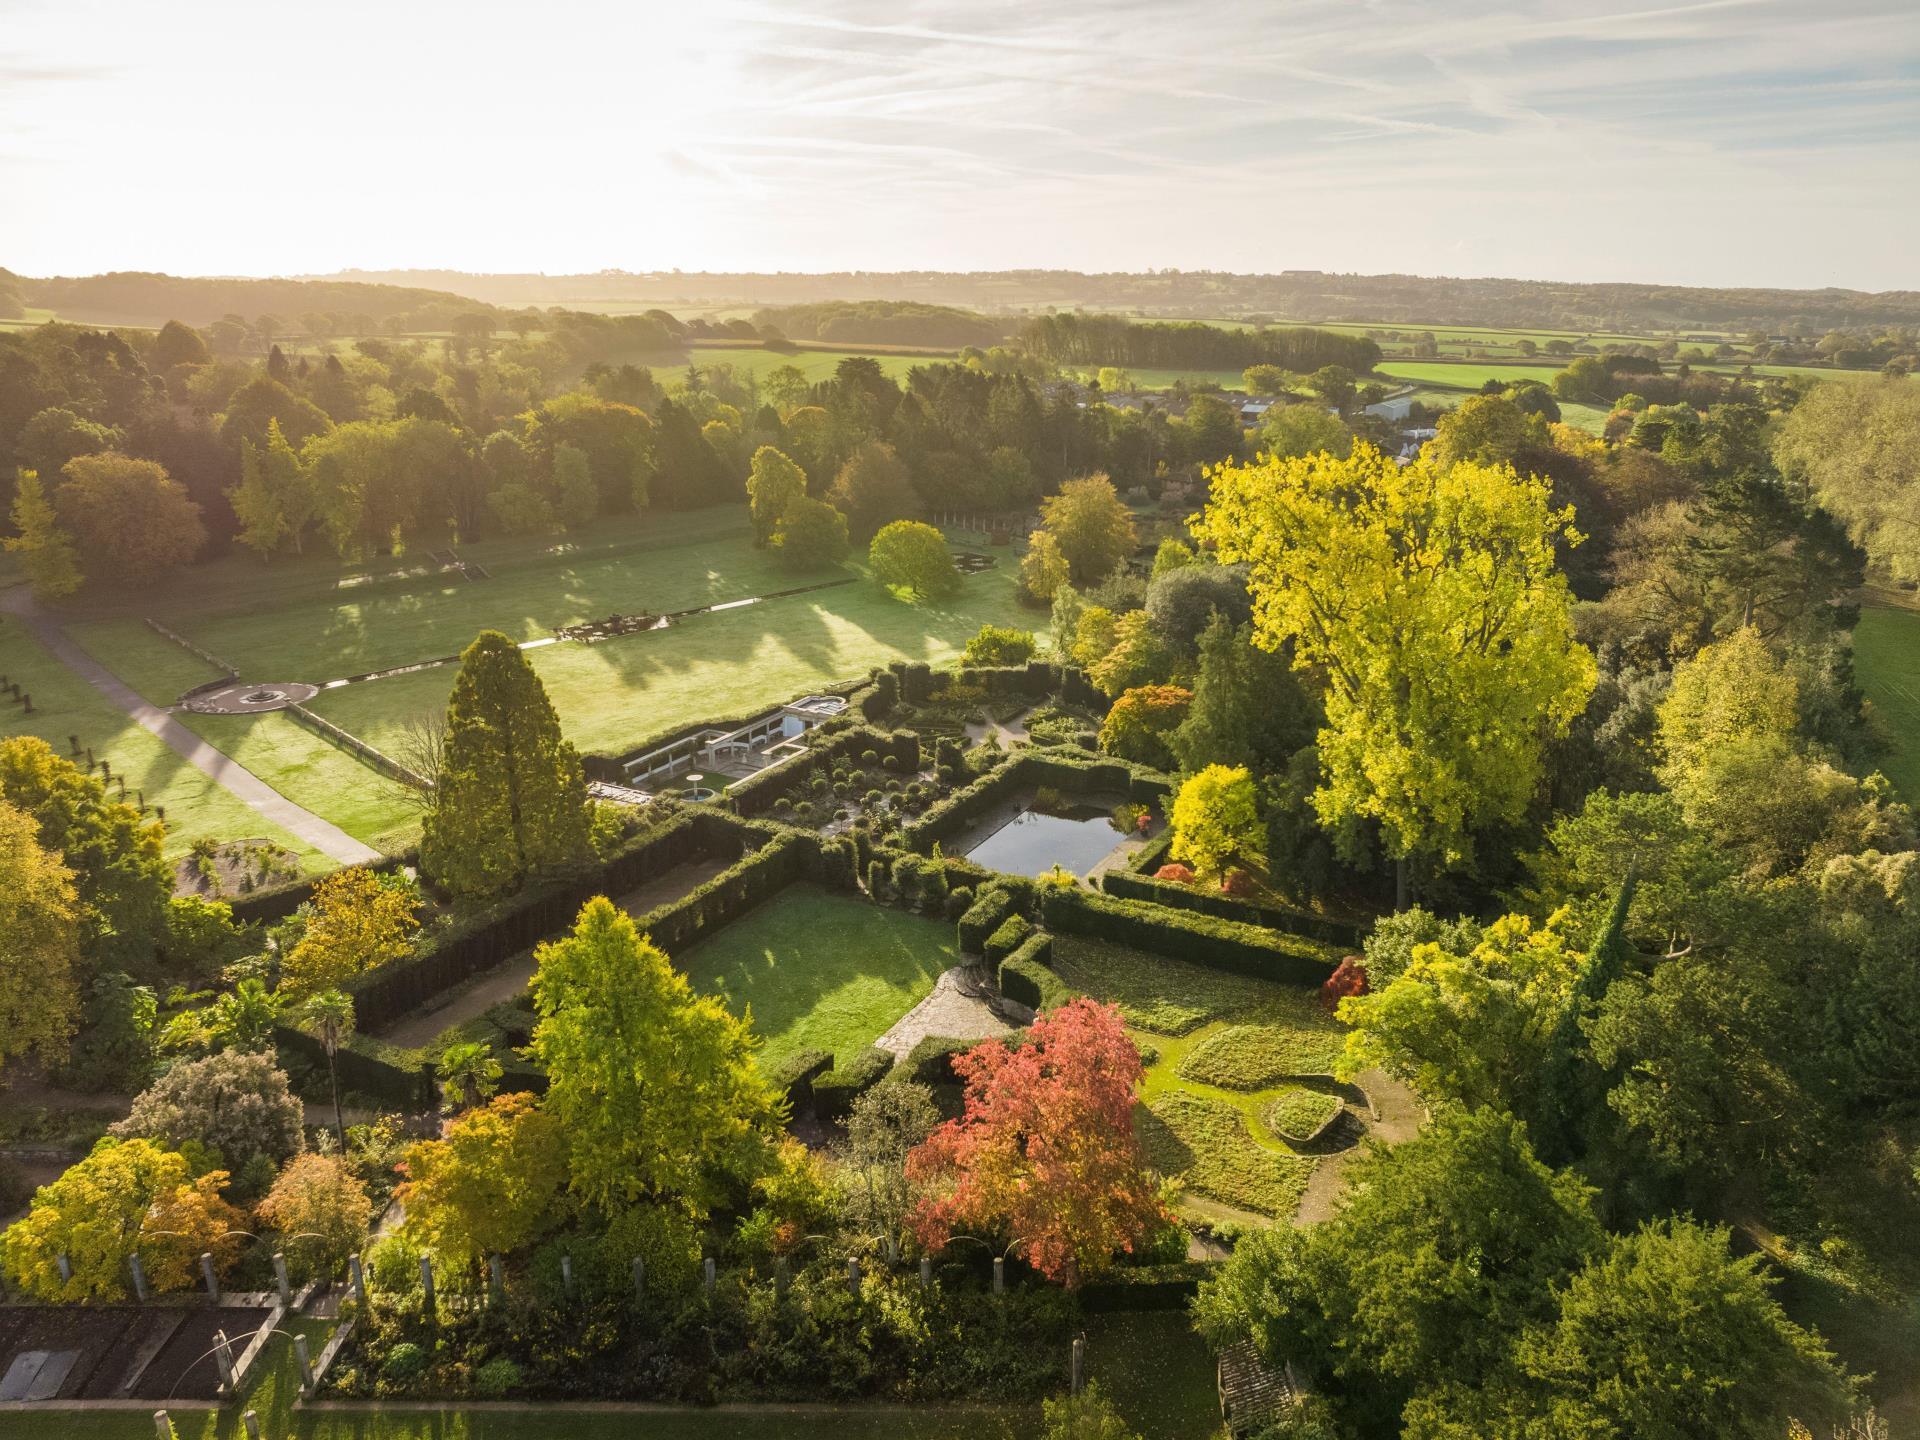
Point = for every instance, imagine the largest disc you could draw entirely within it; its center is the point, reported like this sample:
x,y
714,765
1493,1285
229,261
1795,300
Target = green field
x,y
821,972
733,663
1886,659
64,705
1221,1049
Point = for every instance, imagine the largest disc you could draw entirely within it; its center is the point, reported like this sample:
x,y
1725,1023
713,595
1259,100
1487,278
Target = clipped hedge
x,y
1126,885
1028,978
930,1062
1008,936
1145,1287
1186,935
835,1091
987,913
366,1066
1030,770
796,1076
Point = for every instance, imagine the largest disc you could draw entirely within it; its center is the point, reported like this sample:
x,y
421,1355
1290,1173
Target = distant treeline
x,y
883,322
1294,296
1188,345
134,297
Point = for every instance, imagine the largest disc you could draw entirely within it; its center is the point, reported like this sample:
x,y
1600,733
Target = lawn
x,y
821,972
66,705
1220,1049
1886,658
614,694
308,770
366,628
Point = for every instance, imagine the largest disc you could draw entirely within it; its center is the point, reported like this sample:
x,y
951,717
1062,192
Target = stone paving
x,y
958,1009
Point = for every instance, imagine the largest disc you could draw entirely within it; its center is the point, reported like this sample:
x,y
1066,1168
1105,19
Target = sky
x,y
1723,142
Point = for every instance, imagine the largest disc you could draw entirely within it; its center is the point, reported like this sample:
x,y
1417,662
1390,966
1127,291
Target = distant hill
x,y
1291,295
134,297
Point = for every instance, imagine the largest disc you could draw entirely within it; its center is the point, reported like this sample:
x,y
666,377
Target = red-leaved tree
x,y
1045,1152
1349,979
1176,872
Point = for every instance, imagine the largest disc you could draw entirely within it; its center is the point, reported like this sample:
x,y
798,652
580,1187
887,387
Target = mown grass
x,y
1175,998
612,695
1886,659
817,971
310,771
64,704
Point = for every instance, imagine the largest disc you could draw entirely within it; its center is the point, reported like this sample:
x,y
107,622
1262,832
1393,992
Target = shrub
x,y
496,1379
959,901
1027,976
404,1361
869,758
890,762
1176,874
905,876
1186,935
876,878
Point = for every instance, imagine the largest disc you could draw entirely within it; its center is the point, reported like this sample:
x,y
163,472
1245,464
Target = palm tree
x,y
328,1017
468,1074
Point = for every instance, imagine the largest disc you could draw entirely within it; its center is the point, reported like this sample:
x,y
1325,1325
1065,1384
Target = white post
x,y
223,1359
162,1426
426,1280
853,1277
206,1274
639,1278
65,1267
252,1422
280,1280
999,1275
304,1358
708,1275
566,1276
139,1271
1079,1363
357,1278
926,1272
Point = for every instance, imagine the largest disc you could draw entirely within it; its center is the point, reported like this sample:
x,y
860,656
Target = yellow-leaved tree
x,y
1430,602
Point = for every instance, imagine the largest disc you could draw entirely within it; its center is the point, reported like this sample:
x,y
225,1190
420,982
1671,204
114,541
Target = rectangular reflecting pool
x,y
1033,842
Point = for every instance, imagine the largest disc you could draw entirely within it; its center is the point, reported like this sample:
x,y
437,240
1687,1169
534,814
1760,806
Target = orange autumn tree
x,y
1045,1151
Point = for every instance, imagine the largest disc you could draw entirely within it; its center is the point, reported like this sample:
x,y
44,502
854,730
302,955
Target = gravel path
x,y
326,837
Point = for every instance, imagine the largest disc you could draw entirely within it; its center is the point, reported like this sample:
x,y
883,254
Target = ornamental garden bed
x,y
1221,1050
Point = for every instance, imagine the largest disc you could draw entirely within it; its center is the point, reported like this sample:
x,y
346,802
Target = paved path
x,y
329,839
951,1012
1401,1115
